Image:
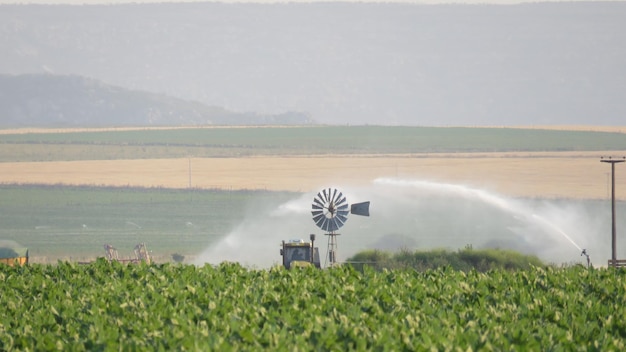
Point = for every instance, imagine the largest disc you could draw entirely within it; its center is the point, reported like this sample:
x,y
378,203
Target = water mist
x,y
421,215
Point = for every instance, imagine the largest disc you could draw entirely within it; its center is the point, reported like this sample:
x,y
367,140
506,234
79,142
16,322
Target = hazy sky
x,y
552,62
79,2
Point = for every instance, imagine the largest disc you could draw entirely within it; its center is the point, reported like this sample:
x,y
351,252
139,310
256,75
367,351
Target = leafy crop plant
x,y
111,306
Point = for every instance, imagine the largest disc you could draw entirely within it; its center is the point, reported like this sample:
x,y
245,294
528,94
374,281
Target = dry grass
x,y
614,129
551,175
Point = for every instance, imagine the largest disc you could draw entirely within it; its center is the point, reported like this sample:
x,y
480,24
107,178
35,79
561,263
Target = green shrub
x,y
465,259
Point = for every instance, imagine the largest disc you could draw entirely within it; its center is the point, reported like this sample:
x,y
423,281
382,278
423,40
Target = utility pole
x,y
614,232
190,189
189,172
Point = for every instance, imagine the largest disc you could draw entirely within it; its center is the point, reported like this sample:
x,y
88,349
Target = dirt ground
x,y
546,175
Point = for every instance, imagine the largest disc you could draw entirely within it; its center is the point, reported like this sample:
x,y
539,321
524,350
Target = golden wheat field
x,y
551,175
527,174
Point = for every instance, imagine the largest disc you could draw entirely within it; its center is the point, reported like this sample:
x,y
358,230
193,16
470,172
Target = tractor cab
x,y
298,253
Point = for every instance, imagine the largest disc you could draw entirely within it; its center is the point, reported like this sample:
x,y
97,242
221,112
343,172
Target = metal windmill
x,y
330,211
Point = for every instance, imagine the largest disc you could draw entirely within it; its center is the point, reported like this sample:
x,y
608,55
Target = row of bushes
x,y
464,259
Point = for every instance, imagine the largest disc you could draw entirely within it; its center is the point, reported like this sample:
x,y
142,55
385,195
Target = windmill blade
x,y
317,213
325,196
323,224
343,214
317,206
334,197
336,224
319,220
326,224
343,209
341,200
362,209
319,200
341,219
331,225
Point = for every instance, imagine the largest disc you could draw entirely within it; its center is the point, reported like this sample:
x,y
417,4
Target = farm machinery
x,y
330,211
12,253
141,254
298,254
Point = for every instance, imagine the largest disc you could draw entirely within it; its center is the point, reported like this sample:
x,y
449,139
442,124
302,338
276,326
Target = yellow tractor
x,y
298,253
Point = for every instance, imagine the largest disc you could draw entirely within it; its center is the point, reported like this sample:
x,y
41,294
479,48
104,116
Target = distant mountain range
x,y
341,62
51,100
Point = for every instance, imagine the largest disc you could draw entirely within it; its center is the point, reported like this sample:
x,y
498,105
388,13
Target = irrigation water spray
x,y
514,207
418,214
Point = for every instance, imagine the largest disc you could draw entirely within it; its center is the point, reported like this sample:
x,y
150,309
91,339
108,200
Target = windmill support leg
x,y
332,248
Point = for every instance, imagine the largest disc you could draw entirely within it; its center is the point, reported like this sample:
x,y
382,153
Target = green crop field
x,y
110,306
232,142
75,222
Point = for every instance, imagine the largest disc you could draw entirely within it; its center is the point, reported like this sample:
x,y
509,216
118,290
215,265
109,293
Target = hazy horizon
x,y
539,63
